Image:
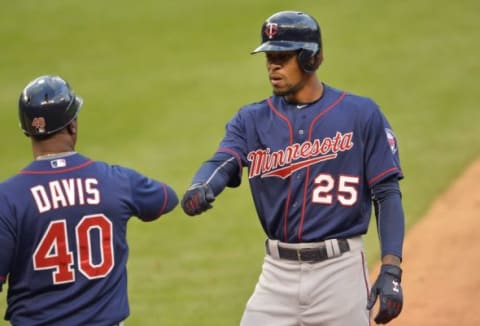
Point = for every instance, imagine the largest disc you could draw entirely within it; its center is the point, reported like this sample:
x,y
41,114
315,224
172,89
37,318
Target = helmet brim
x,y
277,46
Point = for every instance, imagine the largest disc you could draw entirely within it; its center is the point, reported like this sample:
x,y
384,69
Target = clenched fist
x,y
197,199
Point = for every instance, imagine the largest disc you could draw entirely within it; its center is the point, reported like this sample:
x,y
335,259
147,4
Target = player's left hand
x,y
197,199
388,287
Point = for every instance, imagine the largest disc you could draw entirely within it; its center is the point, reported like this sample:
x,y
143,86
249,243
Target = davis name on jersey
x,y
66,192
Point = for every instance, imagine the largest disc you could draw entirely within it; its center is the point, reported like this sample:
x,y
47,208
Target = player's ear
x,y
72,127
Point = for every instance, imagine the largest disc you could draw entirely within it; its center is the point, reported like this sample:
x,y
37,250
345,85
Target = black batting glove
x,y
197,199
388,287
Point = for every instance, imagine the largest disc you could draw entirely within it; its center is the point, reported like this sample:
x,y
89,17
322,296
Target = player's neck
x,y
43,154
58,144
312,91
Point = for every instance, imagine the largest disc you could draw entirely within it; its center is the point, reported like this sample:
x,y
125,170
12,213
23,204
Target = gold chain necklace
x,y
51,155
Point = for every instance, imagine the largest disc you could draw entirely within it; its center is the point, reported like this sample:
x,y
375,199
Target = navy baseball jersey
x,y
63,239
311,167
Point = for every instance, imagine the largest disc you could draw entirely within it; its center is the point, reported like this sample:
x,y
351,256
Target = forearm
x,y
391,260
390,220
220,171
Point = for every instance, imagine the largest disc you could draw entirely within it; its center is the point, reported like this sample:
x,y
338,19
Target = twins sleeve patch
x,y
392,140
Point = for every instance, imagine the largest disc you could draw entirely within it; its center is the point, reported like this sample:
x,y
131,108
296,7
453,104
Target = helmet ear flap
x,y
307,60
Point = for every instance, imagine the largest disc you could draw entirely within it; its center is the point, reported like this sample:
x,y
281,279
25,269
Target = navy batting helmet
x,y
46,105
291,31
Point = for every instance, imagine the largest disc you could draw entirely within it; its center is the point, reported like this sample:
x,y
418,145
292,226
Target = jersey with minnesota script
x,y
63,239
311,167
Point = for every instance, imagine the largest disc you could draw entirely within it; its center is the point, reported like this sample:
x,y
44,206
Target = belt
x,y
316,254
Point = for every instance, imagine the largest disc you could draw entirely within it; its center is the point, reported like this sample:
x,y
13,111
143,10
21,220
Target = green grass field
x,y
161,78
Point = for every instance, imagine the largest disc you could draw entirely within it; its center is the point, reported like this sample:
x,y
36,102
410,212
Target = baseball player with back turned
x,y
317,158
63,220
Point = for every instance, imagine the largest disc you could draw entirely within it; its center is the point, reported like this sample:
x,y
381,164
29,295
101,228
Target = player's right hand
x,y
388,288
197,199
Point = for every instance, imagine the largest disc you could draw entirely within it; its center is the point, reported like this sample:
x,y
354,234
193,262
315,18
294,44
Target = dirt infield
x,y
441,278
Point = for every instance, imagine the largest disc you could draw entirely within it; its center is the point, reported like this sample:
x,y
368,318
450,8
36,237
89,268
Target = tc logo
x,y
392,140
271,29
39,124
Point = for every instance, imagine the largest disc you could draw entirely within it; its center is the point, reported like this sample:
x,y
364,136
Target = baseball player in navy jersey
x,y
317,158
63,220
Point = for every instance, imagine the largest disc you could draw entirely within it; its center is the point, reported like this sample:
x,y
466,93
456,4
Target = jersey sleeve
x,y
381,153
235,141
150,198
230,157
7,240
219,172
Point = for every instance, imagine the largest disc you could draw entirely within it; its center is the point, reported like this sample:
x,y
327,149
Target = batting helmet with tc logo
x,y
46,105
291,31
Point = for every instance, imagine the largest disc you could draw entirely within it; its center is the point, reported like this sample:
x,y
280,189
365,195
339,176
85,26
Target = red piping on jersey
x,y
234,153
73,168
307,173
289,194
165,201
285,216
283,117
375,178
